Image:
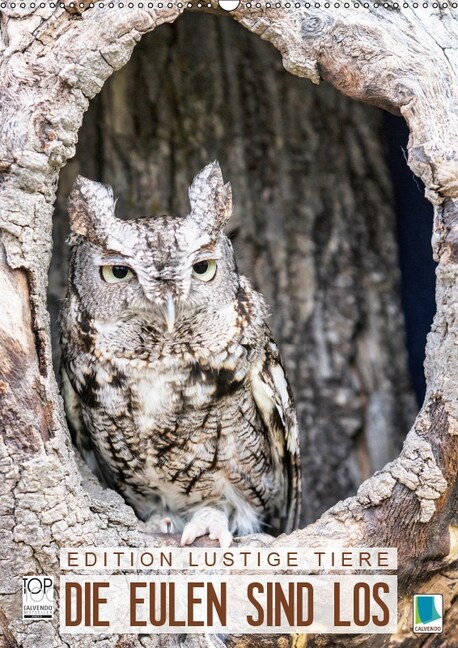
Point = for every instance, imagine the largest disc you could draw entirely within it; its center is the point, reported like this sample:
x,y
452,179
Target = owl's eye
x,y
204,270
116,273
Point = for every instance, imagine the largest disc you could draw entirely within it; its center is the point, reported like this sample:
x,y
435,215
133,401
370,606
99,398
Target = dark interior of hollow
x,y
315,226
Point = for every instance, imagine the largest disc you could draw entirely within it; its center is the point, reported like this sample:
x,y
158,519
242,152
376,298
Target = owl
x,y
173,386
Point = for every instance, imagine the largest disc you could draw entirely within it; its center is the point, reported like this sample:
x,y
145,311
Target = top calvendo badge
x,y
37,597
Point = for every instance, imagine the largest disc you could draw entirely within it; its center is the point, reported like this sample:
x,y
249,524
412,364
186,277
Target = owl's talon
x,y
166,525
223,536
190,533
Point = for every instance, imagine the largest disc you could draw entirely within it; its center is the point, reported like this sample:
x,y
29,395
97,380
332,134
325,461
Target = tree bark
x,y
313,225
54,61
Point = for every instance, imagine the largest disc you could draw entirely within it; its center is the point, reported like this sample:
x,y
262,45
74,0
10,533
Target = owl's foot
x,y
208,520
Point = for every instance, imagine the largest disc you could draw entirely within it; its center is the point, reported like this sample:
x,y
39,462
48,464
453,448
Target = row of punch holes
x,y
248,5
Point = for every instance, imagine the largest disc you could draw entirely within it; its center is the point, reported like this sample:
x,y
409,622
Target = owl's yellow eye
x,y
204,270
116,273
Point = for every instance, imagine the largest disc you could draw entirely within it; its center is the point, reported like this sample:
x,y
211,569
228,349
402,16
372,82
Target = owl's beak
x,y
170,313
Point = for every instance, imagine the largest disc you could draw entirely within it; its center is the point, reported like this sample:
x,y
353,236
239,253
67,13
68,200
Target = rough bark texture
x,y
53,62
313,224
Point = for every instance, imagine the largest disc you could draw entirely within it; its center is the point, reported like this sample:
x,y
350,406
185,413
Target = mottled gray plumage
x,y
173,385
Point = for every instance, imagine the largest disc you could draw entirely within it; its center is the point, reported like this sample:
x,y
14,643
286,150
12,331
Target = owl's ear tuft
x,y
91,208
210,198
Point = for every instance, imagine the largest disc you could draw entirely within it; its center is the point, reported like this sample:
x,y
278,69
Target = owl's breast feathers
x,y
205,415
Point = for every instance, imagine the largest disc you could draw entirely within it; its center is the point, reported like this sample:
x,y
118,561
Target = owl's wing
x,y
77,427
274,400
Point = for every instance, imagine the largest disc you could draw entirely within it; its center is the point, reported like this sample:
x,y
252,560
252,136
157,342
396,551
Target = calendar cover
x,y
228,323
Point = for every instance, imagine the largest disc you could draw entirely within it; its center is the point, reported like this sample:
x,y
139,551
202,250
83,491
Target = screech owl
x,y
173,386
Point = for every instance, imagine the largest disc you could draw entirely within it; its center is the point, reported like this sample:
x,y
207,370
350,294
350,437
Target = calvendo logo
x,y
427,613
37,597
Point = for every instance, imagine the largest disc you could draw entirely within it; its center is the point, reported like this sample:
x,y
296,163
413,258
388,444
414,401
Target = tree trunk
x,y
313,224
55,59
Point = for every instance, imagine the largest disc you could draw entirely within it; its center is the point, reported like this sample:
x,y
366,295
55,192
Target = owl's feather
x,y
189,417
